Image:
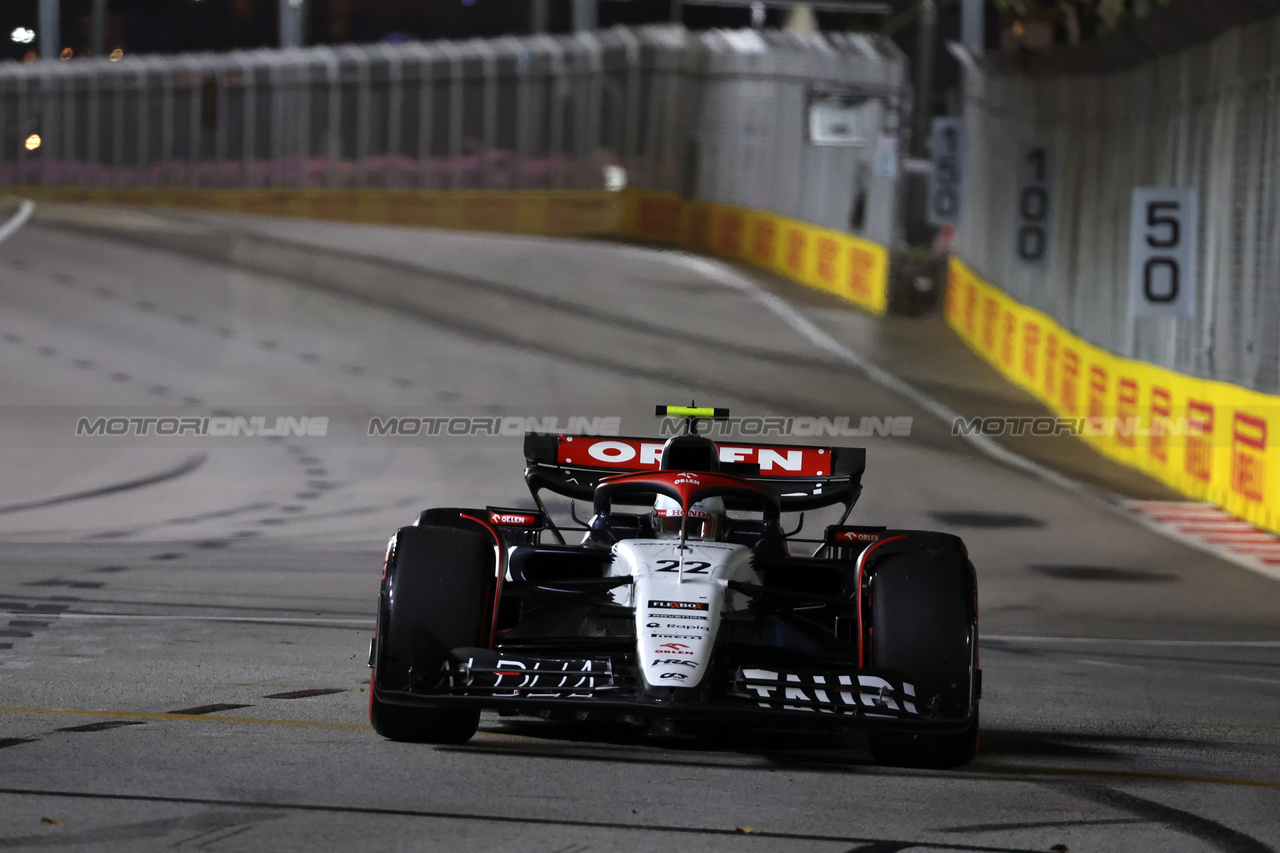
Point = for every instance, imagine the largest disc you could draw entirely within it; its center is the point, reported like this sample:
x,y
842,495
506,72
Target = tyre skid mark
x,y
1219,835
187,465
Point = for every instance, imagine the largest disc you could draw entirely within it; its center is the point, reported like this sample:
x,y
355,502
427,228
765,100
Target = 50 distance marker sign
x,y
1163,230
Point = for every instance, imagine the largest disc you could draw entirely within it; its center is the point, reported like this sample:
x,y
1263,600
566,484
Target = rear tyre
x,y
433,600
924,626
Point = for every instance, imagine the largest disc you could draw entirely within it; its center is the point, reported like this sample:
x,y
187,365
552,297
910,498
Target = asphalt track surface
x,y
185,621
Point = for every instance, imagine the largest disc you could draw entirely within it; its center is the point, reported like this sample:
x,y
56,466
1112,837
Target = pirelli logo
x,y
1050,364
828,252
729,234
1248,456
764,237
679,605
861,263
1127,408
990,324
1098,382
1161,412
1199,456
1070,377
795,250
1008,340
1030,349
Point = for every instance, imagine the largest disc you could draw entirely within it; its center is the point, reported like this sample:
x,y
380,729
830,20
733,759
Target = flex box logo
x,y
679,605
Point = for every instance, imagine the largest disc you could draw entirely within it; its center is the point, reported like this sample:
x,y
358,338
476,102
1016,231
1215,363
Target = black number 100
x,y
1033,210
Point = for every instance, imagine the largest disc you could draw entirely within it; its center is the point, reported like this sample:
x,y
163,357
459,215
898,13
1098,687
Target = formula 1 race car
x,y
684,601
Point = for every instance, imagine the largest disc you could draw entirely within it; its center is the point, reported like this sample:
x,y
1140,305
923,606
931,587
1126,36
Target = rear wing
x,y
803,477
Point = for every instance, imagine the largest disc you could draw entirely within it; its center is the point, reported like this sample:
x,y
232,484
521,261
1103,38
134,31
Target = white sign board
x,y
835,121
884,163
946,145
1163,229
1033,209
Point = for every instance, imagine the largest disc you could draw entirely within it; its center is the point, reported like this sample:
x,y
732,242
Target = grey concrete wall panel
x,y
1206,117
721,115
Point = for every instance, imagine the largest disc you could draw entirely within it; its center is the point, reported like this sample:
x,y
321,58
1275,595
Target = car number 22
x,y
691,567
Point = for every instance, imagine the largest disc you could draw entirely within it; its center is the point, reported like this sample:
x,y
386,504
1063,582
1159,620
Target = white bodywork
x,y
679,595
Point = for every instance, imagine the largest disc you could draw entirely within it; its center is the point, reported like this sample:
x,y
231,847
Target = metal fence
x,y
720,116
1206,118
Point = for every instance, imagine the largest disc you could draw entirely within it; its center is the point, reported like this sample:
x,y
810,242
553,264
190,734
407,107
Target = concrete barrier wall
x,y
1208,440
1205,119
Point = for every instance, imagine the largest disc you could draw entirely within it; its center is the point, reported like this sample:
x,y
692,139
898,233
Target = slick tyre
x,y
432,600
922,619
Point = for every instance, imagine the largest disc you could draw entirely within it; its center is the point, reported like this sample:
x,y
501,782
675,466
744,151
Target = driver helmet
x,y
706,518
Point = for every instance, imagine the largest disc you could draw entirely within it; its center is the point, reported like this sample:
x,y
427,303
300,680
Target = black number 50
x,y
1160,274
1156,220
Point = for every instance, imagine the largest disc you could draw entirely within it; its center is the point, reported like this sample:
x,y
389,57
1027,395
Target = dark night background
x,y
173,26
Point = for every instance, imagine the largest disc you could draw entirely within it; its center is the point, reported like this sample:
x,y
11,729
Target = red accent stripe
x,y
1183,510
862,562
1198,520
1258,549
1238,534
1220,518
1185,506
502,571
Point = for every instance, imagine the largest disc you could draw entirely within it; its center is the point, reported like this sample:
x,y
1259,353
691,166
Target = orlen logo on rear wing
x,y
633,454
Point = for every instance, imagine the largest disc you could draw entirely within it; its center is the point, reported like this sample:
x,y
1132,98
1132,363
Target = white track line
x,y
25,209
801,324
783,310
